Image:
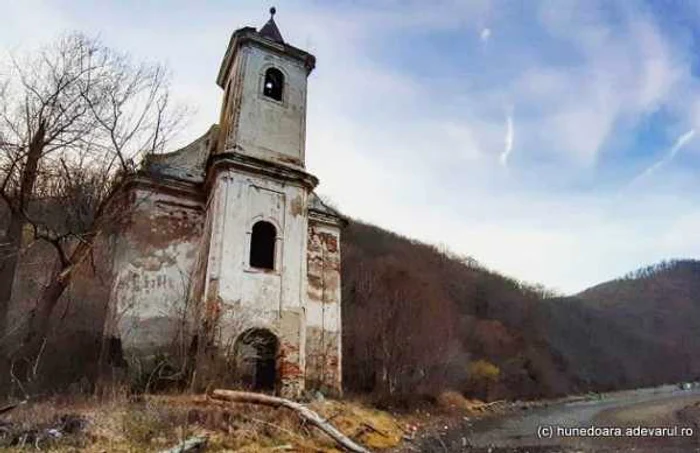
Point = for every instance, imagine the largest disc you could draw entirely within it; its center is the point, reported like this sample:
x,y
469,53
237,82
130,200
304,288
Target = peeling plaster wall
x,y
153,266
240,297
266,128
178,250
323,323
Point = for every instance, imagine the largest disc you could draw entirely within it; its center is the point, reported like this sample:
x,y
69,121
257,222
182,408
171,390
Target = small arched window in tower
x,y
262,245
274,84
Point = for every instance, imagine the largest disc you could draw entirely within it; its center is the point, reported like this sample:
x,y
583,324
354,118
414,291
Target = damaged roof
x,y
317,205
188,163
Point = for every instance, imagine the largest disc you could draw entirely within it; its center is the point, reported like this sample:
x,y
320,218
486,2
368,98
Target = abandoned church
x,y
228,249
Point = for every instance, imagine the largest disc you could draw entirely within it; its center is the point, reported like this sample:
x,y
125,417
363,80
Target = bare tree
x,y
399,326
75,118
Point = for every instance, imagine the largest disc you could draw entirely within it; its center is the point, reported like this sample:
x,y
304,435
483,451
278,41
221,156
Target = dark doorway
x,y
262,245
256,357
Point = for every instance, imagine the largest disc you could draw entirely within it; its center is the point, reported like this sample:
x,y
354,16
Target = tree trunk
x,y
40,320
8,267
9,256
303,411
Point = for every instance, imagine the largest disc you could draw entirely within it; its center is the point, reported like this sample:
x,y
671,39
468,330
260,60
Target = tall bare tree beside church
x,y
74,119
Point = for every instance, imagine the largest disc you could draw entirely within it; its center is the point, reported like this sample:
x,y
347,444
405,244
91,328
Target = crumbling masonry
x,y
228,251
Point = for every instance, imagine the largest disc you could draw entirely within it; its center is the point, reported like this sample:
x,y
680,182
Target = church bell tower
x,y
272,279
263,113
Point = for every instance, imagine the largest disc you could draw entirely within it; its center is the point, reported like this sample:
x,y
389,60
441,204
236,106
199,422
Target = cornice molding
x,y
255,166
248,35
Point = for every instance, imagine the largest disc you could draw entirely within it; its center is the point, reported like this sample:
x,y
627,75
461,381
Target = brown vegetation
x,y
449,322
639,330
414,317
155,423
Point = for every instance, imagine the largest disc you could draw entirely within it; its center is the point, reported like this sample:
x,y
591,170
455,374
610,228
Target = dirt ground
x,y
518,432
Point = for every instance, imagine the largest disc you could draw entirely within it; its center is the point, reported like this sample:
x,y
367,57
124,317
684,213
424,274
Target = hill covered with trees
x,y
418,321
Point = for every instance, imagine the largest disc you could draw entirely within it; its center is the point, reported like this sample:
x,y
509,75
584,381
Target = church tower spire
x,y
270,29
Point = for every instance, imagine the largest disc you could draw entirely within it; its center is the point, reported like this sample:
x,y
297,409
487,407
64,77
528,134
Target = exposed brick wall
x,y
323,348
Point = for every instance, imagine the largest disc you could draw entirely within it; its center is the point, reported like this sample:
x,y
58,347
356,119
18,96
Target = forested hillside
x,y
658,308
418,321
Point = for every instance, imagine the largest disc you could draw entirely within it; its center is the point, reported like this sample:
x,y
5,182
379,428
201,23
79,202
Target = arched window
x,y
274,84
262,245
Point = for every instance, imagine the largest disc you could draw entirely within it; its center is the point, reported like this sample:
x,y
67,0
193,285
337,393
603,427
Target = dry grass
x,y
452,401
371,427
159,422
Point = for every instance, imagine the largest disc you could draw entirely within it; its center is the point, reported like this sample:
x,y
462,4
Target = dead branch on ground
x,y
304,412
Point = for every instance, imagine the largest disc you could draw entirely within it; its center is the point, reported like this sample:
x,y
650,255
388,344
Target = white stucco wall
x,y
241,201
270,129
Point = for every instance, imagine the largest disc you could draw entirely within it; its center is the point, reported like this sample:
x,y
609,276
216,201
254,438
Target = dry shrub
x,y
373,428
158,422
149,424
482,370
452,401
482,378
28,426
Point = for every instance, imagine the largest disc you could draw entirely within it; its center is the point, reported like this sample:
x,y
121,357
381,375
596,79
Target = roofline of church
x,y
260,166
249,34
164,184
322,217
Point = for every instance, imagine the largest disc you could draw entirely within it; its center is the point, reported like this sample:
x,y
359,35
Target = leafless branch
x,y
75,120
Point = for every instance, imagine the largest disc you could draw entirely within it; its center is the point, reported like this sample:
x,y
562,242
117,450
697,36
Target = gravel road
x,y
615,423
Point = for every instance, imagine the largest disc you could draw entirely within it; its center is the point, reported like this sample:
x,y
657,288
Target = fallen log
x,y
191,445
12,406
303,411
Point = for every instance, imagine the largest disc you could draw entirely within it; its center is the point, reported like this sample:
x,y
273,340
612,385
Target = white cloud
x,y
613,75
680,142
421,156
509,138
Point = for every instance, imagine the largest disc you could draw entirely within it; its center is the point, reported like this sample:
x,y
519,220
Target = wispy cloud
x,y
485,35
680,142
509,138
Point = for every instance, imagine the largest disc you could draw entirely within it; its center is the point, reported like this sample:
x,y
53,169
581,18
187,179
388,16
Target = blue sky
x,y
553,141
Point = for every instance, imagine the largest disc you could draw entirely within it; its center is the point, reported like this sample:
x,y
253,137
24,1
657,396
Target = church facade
x,y
228,255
